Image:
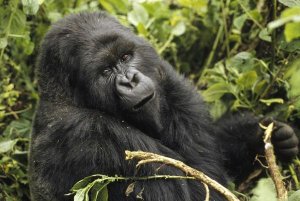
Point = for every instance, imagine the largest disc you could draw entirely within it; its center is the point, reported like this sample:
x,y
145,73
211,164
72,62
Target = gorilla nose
x,y
130,80
134,89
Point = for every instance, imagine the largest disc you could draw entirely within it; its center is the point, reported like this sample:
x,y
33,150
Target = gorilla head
x,y
105,67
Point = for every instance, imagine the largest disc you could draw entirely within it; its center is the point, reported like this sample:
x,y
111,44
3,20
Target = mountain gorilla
x,y
104,90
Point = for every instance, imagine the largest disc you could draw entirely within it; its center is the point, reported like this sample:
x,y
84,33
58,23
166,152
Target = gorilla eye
x,y
126,57
106,71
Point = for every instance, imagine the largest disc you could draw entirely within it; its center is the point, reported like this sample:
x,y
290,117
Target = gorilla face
x,y
119,72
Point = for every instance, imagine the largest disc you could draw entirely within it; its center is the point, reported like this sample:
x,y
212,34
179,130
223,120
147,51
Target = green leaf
x,y
138,15
6,146
291,18
178,29
264,191
216,91
54,16
102,195
20,127
18,23
80,195
99,191
293,46
84,182
293,78
239,21
30,7
290,3
247,79
200,6
292,31
265,35
268,102
242,61
295,196
218,109
259,86
3,43
115,6
287,16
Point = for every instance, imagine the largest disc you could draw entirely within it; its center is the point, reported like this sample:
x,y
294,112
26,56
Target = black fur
x,y
82,128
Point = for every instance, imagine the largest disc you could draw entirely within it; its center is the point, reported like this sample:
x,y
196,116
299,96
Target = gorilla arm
x,y
81,142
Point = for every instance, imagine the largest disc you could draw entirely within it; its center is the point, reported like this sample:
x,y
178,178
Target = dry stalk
x,y
272,166
146,157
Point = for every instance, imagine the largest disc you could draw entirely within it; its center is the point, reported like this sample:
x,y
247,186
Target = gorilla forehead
x,y
88,23
98,28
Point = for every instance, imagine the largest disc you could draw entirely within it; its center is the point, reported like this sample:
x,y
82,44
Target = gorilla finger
x,y
288,143
289,153
266,121
282,132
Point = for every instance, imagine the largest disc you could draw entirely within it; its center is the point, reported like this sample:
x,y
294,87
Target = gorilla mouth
x,y
143,102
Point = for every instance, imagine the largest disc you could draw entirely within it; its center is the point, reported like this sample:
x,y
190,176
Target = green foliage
x,y
95,188
264,191
295,196
242,54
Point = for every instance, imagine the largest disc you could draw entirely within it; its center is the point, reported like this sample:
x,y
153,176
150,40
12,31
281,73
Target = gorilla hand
x,y
284,140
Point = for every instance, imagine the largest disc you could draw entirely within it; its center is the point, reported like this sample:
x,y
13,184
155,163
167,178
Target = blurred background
x,y
241,55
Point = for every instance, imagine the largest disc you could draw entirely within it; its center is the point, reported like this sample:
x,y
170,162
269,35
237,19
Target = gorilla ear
x,y
68,52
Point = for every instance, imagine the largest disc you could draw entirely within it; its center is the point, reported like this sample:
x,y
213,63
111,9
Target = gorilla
x,y
104,90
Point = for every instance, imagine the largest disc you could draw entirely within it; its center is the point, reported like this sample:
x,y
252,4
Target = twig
x,y
272,166
211,54
207,192
146,157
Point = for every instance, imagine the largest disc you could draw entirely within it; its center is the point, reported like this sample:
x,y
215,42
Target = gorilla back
x,y
103,90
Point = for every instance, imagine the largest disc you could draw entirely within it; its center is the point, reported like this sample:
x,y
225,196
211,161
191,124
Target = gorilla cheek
x,y
134,89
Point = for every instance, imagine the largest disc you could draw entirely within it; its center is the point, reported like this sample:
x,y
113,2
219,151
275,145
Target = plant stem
x,y
250,16
211,54
7,30
224,13
147,157
274,36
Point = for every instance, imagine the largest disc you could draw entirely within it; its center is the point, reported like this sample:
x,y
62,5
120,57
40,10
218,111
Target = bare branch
x,y
146,157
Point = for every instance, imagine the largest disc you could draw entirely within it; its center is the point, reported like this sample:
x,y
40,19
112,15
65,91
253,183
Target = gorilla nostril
x,y
131,79
135,79
124,82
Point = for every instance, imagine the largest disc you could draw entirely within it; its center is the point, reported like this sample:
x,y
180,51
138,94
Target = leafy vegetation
x,y
242,55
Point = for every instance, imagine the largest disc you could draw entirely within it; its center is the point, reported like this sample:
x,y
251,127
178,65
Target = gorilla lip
x,y
143,102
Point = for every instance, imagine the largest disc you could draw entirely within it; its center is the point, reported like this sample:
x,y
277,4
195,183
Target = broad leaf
x,y
290,3
178,29
264,191
3,43
138,15
295,196
247,80
6,146
216,91
30,7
